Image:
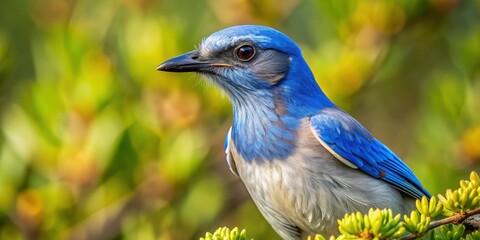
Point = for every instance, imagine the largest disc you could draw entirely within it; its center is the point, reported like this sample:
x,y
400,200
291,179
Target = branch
x,y
455,219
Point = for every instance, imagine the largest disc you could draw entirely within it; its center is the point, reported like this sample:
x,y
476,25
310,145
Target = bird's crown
x,y
251,62
262,36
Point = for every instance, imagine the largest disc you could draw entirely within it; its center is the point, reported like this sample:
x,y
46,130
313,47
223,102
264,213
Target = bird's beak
x,y
189,62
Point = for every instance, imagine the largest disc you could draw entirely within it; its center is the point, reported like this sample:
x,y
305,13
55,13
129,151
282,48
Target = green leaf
x,y
449,232
376,224
226,234
463,199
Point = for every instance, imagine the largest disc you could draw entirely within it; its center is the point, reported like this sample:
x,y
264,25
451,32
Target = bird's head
x,y
266,78
249,61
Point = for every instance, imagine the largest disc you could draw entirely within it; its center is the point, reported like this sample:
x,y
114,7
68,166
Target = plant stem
x,y
455,219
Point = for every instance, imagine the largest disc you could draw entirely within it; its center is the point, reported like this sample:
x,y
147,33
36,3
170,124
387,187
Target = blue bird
x,y
304,161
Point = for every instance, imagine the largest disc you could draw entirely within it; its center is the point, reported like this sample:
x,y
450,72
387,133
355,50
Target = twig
x,y
455,219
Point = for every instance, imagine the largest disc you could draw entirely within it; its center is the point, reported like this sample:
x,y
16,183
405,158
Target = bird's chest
x,y
275,181
260,140
285,191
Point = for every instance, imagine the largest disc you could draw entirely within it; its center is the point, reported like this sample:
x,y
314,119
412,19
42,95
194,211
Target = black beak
x,y
189,62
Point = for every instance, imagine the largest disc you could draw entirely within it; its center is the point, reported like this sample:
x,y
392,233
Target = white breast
x,y
311,189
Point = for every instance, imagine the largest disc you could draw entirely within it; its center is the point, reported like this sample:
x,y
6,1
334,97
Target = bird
x,y
304,161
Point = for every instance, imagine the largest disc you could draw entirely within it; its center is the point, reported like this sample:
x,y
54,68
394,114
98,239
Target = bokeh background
x,y
95,144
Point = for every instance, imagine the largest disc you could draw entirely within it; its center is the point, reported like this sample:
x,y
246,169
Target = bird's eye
x,y
245,52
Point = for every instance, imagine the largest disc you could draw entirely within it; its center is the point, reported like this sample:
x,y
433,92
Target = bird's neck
x,y
262,130
265,123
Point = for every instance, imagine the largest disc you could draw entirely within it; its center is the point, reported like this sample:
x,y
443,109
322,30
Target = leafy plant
x,y
457,205
226,234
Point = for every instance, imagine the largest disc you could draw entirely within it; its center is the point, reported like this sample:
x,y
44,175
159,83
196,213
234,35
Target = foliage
x,y
417,222
464,199
226,234
376,224
473,236
382,224
449,232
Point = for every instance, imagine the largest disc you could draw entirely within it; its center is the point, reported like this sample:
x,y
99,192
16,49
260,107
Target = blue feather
x,y
344,135
298,186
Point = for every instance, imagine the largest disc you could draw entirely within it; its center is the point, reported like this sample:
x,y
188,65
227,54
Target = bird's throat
x,y
262,130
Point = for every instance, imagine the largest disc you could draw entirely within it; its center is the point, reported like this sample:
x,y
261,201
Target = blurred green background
x,y
95,144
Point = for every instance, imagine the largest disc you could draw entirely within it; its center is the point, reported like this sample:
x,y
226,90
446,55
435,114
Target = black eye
x,y
245,52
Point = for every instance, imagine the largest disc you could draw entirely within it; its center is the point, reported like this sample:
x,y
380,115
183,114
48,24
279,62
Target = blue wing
x,y
352,144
